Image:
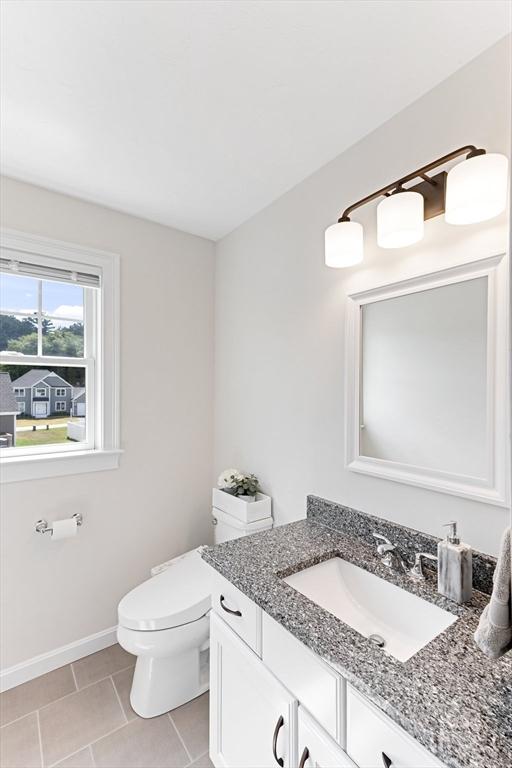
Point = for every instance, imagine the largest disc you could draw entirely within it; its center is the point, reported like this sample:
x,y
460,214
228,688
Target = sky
x,y
60,300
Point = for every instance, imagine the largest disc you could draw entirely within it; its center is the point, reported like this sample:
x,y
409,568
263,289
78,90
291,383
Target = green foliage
x,y
12,328
21,337
76,328
27,345
46,325
247,485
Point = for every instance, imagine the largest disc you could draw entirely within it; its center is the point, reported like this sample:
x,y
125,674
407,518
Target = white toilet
x,y
165,623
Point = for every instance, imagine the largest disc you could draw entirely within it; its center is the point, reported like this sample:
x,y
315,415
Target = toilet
x,y
164,622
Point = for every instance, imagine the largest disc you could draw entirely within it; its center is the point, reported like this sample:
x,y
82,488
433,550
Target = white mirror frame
x,y
495,490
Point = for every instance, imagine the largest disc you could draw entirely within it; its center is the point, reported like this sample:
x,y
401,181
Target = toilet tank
x,y
227,527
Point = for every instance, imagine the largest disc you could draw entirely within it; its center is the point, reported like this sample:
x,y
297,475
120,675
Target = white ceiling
x,y
199,114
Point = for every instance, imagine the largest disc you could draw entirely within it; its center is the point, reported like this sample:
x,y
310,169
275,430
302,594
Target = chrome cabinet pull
x,y
228,610
304,757
386,760
279,725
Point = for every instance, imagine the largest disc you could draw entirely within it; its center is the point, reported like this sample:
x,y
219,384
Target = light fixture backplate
x,y
434,194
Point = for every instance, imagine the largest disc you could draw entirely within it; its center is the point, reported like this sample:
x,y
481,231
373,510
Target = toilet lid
x,y
178,595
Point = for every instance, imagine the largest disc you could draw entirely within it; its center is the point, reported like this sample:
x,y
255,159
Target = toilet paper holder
x,y
43,527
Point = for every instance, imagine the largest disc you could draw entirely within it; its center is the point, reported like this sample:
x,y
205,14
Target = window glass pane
x,y
62,325
18,294
62,339
50,404
63,328
18,334
63,300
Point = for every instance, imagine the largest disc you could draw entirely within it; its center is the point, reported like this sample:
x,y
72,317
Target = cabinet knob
x,y
386,761
228,610
279,725
304,757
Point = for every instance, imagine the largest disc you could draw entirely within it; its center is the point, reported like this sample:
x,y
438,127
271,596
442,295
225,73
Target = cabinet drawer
x,y
238,611
372,736
318,687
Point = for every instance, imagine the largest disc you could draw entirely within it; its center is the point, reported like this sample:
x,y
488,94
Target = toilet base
x,y
162,684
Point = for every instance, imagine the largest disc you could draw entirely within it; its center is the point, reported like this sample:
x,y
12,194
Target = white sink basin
x,y
372,606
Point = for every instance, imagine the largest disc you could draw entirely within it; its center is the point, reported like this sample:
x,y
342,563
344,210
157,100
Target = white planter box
x,y
246,511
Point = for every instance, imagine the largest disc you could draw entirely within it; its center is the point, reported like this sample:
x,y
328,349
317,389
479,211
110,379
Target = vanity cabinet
x,y
375,741
273,702
238,611
316,748
318,687
253,718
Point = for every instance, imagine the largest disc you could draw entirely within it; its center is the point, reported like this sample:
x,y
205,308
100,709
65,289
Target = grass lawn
x,y
28,422
42,437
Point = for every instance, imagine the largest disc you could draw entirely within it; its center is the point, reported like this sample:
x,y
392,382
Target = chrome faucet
x,y
417,569
390,556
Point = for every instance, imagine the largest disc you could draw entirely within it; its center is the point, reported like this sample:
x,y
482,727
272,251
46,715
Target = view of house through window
x,y
42,404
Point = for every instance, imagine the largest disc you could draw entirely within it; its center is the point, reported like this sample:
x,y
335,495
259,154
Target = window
x,y
58,334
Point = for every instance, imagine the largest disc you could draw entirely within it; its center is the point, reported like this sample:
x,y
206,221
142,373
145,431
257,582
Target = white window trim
x,y
58,403
106,451
44,390
19,391
60,391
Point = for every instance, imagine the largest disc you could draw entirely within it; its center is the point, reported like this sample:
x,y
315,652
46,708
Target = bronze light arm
x,y
470,150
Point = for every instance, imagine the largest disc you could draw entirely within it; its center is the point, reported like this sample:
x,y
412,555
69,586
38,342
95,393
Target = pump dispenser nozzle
x,y
451,536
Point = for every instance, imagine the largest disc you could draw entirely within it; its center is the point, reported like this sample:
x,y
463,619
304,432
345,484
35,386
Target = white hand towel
x,y
494,633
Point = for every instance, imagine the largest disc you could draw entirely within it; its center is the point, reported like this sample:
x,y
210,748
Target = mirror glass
x,y
423,379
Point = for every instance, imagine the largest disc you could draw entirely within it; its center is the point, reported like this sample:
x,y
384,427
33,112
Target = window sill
x,y
17,468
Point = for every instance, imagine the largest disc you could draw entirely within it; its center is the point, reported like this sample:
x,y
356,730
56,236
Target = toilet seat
x,y
179,595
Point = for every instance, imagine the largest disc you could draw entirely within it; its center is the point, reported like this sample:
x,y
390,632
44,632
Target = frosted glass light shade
x,y
344,244
476,189
400,220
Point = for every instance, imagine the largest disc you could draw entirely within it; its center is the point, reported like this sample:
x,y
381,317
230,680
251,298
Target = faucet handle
x,y
386,545
417,569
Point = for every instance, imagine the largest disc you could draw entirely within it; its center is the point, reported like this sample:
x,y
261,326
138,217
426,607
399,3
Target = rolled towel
x,y
494,633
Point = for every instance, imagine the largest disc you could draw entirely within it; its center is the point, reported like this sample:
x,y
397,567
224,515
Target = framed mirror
x,y
426,389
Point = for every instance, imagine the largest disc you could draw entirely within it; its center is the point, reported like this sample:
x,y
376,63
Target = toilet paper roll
x,y
64,529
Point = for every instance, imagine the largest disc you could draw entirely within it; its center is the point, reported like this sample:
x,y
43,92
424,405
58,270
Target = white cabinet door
x,y
316,685
253,718
316,748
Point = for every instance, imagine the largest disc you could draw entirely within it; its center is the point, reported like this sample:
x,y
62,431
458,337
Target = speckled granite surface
x,y
408,540
448,696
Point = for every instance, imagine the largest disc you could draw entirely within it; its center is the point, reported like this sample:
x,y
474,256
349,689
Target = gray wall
x,y
157,505
279,407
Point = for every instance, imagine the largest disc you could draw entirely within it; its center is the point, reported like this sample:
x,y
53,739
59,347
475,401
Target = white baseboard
x,y
46,662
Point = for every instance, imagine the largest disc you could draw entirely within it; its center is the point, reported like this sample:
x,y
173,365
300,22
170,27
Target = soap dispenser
x,y
455,567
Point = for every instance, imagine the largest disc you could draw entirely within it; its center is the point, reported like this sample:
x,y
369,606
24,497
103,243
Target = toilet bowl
x,y
164,622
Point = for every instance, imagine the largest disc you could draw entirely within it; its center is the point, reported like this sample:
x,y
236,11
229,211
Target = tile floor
x,y
79,716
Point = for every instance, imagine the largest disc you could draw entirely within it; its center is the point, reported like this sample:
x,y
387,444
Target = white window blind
x,y
42,272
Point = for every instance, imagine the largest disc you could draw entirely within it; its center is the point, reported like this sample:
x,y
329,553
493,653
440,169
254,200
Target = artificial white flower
x,y
229,478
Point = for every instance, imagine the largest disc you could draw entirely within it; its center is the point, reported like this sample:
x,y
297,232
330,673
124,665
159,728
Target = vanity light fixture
x,y
474,190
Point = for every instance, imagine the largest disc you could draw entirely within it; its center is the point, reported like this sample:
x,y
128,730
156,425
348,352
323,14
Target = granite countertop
x,y
448,696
